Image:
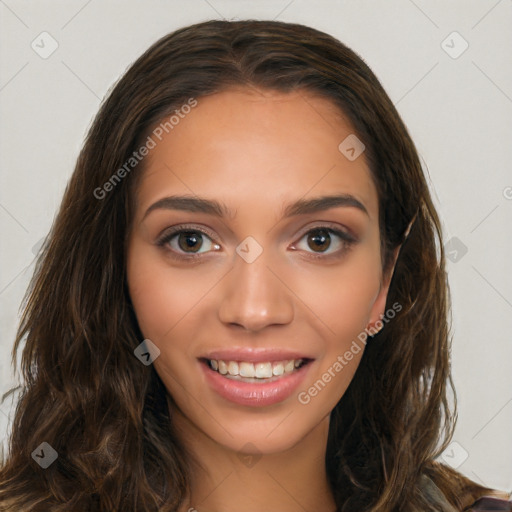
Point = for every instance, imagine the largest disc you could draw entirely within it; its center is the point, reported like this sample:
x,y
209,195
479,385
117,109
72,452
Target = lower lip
x,y
255,394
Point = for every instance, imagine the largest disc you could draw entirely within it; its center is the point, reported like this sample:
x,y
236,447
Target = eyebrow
x,y
213,207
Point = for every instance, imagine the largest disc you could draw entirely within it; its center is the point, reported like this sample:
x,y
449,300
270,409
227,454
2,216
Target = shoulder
x,y
493,503
450,491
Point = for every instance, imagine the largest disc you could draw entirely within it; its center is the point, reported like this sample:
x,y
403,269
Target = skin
x,y
256,151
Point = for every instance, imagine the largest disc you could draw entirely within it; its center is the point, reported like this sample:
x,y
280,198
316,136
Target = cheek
x,y
162,295
342,300
341,297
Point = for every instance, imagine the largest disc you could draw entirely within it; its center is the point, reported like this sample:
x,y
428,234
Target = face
x,y
254,265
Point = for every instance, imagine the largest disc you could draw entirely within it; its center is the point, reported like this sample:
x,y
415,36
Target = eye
x,y
326,241
187,241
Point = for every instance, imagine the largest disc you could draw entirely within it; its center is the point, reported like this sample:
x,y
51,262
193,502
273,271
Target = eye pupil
x,y
189,240
320,239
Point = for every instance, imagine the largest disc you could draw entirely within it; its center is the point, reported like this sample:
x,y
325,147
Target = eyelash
x,y
347,241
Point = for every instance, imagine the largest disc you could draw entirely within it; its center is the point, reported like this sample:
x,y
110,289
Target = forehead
x,y
241,144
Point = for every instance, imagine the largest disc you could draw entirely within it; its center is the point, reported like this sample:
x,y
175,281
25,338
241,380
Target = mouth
x,y
263,380
259,372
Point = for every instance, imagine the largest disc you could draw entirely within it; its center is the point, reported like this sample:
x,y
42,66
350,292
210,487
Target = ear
x,y
375,323
378,309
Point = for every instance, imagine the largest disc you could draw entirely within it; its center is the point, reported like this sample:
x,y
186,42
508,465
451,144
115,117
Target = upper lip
x,y
255,355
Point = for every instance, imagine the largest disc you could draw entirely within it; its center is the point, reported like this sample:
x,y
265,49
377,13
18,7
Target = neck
x,y
223,480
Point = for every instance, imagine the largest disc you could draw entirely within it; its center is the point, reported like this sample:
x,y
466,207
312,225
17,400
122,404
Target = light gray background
x,y
458,110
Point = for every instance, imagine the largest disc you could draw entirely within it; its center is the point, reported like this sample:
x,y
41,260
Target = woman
x,y
243,300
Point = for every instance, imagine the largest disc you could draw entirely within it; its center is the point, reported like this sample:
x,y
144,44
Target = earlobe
x,y
378,310
376,324
409,227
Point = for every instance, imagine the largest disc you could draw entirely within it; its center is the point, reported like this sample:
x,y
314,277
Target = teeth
x,y
278,369
246,369
223,368
258,370
263,370
232,368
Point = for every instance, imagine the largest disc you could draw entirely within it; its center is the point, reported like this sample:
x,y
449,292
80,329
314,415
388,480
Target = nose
x,y
254,297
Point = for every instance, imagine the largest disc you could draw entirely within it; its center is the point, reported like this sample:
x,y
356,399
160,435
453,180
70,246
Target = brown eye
x,y
324,242
319,240
187,242
190,241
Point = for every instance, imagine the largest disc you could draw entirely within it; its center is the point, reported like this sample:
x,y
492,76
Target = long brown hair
x,y
105,413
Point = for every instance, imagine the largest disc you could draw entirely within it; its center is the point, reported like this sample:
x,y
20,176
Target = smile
x,y
255,384
255,372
